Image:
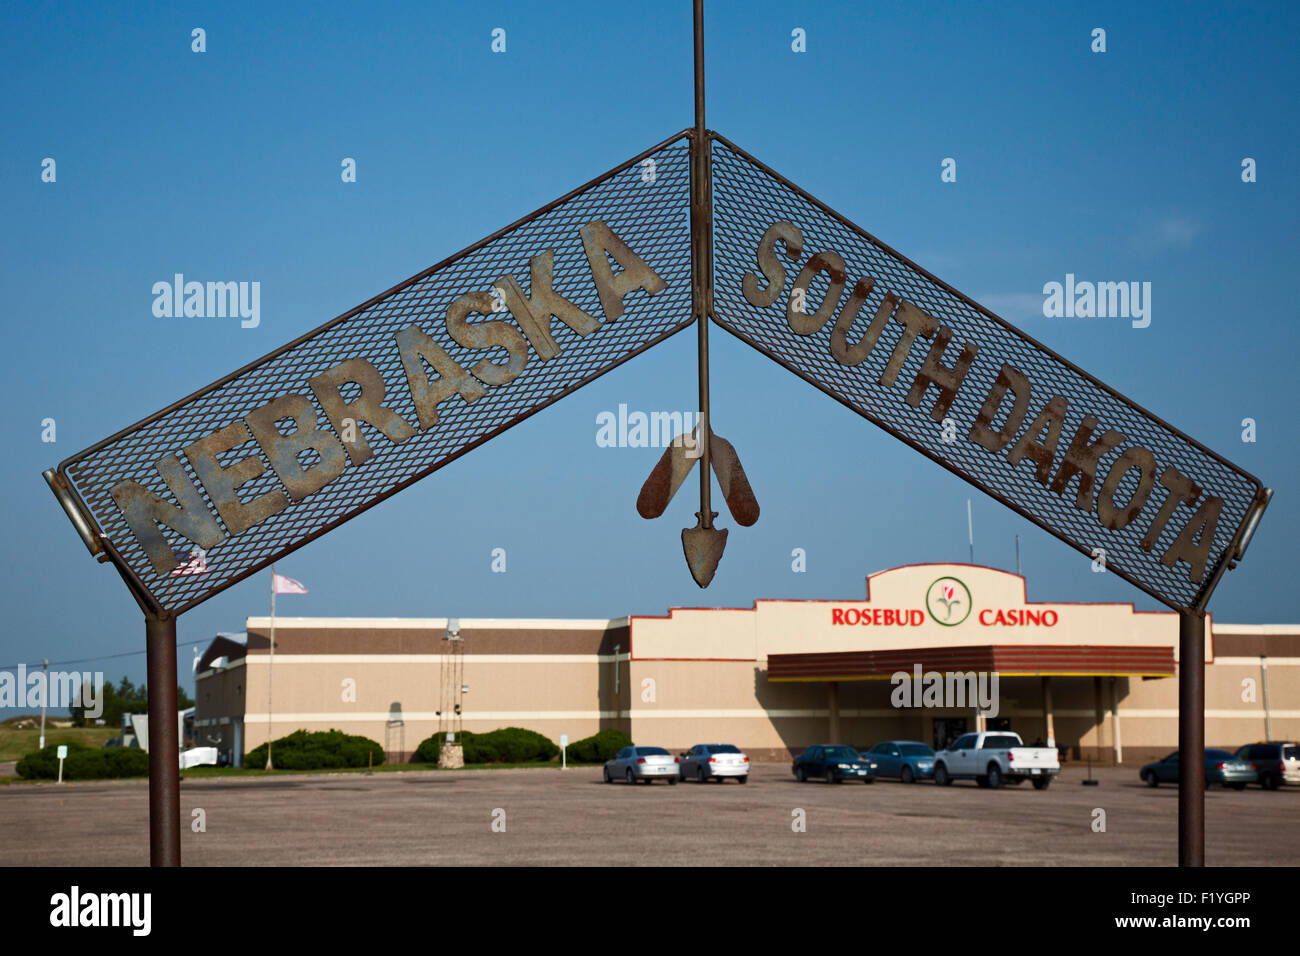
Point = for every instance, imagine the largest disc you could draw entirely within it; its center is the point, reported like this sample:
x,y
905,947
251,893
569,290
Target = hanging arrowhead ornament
x,y
703,545
675,465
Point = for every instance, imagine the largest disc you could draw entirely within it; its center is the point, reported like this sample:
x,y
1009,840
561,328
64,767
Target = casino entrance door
x,y
946,730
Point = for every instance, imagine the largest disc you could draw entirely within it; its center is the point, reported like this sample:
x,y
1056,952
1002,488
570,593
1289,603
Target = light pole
x,y
45,669
270,668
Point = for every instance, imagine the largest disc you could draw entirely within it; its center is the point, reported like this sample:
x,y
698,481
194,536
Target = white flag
x,y
285,585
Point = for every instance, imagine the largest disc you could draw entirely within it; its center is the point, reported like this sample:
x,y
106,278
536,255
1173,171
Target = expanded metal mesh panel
x,y
646,207
748,198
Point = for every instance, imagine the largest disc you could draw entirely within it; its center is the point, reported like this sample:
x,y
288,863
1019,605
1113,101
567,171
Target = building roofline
x,y
440,623
1024,587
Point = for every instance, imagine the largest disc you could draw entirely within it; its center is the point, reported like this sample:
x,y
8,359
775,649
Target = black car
x,y
833,763
1220,767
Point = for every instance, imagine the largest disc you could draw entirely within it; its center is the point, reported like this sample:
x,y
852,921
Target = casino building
x,y
1097,679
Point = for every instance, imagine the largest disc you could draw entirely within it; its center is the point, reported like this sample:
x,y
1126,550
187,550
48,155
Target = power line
x,y
102,657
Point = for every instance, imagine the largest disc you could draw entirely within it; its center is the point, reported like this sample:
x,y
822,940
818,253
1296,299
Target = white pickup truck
x,y
992,758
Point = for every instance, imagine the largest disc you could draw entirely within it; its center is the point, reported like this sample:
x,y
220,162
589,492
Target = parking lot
x,y
571,817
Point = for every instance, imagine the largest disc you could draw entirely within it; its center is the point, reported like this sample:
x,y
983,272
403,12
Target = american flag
x,y
285,585
191,562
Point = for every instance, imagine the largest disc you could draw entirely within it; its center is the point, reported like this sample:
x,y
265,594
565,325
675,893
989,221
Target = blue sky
x,y
1116,166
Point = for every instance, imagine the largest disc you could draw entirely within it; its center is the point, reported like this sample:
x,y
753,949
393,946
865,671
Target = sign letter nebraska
x,y
298,442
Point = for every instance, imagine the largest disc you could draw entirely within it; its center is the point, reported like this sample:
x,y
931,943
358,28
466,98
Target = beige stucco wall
x,y
785,627
700,675
373,665
552,695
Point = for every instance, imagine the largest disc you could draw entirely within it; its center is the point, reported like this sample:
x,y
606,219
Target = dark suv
x,y
1276,763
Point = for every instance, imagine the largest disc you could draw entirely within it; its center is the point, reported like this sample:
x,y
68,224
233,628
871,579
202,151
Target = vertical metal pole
x,y
970,528
1263,677
164,742
702,263
270,671
1116,743
1049,718
833,711
44,696
1099,716
1191,738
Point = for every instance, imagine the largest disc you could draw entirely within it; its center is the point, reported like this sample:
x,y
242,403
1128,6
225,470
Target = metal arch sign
x,y
222,483
831,303
213,488
209,490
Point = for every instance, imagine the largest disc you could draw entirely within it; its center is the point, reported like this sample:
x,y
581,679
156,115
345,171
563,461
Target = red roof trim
x,y
994,657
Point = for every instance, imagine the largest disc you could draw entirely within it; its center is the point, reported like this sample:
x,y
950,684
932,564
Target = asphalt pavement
x,y
564,817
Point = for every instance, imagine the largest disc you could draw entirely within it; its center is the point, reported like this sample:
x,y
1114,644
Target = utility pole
x,y
45,669
970,530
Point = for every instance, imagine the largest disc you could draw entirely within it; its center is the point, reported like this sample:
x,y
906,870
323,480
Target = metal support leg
x,y
1191,738
164,743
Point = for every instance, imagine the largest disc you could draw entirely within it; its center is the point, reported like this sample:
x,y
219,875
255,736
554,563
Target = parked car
x,y
713,762
908,760
994,757
833,763
1275,763
637,764
1220,767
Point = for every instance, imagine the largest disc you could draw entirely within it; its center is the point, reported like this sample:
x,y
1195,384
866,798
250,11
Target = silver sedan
x,y
714,762
636,764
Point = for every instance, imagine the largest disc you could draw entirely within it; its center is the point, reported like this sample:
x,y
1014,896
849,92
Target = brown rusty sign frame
x,y
825,299
221,484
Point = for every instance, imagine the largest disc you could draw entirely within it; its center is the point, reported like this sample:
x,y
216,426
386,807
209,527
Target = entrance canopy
x,y
1007,660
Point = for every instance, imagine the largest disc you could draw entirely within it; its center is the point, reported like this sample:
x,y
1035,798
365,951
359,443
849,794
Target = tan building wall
x,y
354,675
701,675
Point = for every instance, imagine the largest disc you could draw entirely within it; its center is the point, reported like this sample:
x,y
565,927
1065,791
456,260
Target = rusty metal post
x,y
702,263
164,742
1191,738
703,545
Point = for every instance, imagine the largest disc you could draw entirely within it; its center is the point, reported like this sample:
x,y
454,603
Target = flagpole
x,y
269,672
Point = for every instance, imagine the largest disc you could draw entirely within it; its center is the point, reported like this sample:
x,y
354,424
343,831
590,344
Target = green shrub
x,y
84,763
517,745
41,764
506,745
476,748
126,761
431,747
428,750
599,747
318,750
